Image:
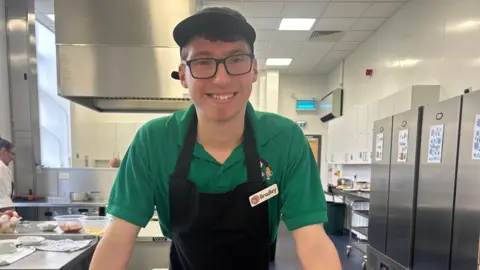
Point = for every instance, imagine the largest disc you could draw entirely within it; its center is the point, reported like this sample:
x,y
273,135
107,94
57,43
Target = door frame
x,y
319,156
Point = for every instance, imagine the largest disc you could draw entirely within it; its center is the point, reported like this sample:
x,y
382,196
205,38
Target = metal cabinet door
x,y
436,187
466,226
403,185
377,224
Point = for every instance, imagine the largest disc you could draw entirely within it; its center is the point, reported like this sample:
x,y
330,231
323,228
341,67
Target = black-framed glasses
x,y
206,68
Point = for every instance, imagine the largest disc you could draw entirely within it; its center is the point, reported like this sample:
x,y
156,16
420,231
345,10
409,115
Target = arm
x,y
131,202
309,241
304,208
115,248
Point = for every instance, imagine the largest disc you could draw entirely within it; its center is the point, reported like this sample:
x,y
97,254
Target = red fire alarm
x,y
368,72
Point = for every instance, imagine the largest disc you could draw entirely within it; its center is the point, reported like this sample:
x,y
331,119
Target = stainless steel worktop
x,y
43,260
60,203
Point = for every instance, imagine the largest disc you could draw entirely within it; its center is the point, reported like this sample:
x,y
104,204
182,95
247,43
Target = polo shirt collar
x,y
179,122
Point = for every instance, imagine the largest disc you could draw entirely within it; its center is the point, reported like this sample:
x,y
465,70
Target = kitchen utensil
x,y
47,226
31,240
95,225
79,196
69,223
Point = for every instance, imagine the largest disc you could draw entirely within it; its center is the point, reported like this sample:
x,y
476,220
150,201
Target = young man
x,y
220,174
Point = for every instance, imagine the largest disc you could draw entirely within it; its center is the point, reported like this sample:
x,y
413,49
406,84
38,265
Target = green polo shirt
x,y
142,181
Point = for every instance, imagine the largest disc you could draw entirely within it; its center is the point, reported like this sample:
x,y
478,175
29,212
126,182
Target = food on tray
x,y
70,228
343,187
95,231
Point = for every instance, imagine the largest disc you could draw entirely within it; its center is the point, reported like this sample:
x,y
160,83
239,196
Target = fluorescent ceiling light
x,y
51,16
464,26
403,63
278,61
296,24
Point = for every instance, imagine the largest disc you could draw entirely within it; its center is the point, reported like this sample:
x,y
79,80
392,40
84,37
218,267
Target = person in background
x,y
114,162
7,155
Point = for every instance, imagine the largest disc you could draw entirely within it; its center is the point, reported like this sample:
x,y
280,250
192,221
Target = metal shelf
x,y
362,246
362,230
363,213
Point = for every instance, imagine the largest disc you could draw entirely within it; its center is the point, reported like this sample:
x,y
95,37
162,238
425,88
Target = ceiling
x,y
356,20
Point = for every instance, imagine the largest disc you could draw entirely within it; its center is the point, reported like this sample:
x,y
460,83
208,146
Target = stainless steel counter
x,y
43,260
61,203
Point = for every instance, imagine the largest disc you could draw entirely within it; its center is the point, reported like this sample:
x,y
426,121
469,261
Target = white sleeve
x,y
5,182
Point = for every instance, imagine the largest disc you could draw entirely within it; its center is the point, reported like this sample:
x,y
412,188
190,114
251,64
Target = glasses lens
x,y
238,64
203,68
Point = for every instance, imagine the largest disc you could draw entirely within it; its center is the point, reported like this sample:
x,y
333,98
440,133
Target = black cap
x,y
222,19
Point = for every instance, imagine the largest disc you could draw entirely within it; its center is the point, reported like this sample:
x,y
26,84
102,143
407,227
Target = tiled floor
x,y
286,258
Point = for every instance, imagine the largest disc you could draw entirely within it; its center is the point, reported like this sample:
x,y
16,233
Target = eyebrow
x,y
209,54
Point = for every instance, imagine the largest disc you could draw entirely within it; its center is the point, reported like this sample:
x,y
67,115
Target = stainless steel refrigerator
x,y
466,225
436,185
379,184
393,187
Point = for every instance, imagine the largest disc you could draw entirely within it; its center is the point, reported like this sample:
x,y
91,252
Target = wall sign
x,y
402,145
301,123
476,138
435,144
379,147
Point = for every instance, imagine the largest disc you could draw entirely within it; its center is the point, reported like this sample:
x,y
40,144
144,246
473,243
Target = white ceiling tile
x,y
314,50
292,35
336,55
303,9
263,35
346,46
264,23
261,47
383,10
230,4
334,24
326,66
356,35
368,24
352,0
262,9
345,9
284,49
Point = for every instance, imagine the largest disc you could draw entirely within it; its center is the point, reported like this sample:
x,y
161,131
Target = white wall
x,y
5,121
426,42
305,87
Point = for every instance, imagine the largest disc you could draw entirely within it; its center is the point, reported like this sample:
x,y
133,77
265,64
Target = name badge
x,y
263,195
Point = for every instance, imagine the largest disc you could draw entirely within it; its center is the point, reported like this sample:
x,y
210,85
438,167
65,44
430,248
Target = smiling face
x,y
224,96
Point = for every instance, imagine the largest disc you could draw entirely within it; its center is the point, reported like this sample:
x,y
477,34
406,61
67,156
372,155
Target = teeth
x,y
222,97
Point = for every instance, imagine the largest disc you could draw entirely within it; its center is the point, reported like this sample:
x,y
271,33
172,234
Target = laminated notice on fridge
x,y
379,147
476,138
402,145
435,144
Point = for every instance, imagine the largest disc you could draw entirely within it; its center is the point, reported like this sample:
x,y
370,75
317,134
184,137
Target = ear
x,y
182,74
255,70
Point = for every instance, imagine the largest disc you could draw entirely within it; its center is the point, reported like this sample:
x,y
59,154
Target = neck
x,y
221,134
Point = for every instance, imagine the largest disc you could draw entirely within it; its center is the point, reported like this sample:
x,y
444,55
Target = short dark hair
x,y
214,35
5,144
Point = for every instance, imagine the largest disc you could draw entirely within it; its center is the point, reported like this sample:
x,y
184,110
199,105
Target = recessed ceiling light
x,y
278,61
296,24
51,16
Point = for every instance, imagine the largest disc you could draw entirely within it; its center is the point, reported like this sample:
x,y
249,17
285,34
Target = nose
x,y
222,77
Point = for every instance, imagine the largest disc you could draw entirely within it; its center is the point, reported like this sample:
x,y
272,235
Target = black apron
x,y
218,231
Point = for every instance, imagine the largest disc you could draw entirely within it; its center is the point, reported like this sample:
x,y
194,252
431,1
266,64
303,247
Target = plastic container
x,y
95,225
69,223
47,226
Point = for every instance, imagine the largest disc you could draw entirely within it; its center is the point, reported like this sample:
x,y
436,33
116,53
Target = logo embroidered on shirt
x,y
266,170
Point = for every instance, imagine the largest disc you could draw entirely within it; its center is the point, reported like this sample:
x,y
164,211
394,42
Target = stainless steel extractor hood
x,y
117,55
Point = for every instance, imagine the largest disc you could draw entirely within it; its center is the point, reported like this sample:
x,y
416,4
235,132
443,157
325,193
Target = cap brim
x,y
198,23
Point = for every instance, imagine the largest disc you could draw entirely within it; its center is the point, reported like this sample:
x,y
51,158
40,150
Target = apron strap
x,y
252,159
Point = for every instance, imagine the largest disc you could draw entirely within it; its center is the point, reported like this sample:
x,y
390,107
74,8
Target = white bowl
x,y
47,226
31,240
